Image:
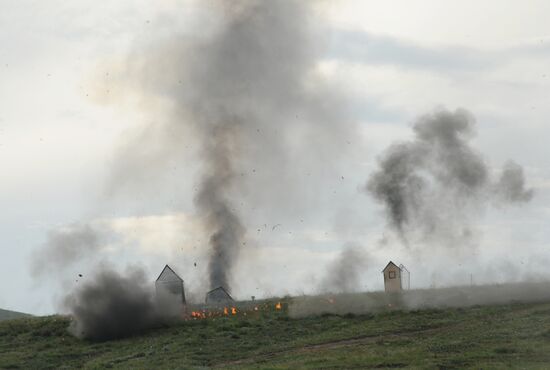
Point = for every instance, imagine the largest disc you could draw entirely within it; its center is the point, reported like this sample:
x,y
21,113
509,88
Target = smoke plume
x,y
112,306
64,247
432,184
105,304
511,185
247,98
231,73
344,273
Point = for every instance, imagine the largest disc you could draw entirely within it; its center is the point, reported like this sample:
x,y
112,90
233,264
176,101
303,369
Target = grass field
x,y
488,337
8,315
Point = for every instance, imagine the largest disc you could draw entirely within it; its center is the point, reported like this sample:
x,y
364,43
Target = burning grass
x,y
242,309
504,336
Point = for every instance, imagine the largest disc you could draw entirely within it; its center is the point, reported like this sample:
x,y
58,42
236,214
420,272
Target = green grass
x,y
8,315
490,337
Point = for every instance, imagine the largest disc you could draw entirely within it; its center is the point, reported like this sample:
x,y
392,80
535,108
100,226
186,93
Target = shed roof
x,y
391,264
167,274
219,288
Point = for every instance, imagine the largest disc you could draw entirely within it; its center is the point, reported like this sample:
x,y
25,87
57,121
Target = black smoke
x,y
104,304
432,184
112,306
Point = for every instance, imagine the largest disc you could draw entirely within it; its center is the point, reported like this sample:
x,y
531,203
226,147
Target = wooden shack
x,y
392,278
170,292
218,296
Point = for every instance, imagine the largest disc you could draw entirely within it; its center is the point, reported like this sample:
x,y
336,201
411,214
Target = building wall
x,y
174,288
170,298
392,279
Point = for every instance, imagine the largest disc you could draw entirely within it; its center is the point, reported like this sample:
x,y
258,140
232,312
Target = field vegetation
x,y
488,337
8,315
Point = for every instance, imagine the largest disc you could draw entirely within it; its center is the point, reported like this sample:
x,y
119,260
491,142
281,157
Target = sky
x,y
65,117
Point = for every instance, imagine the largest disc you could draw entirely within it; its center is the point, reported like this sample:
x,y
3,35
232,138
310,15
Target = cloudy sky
x,y
66,113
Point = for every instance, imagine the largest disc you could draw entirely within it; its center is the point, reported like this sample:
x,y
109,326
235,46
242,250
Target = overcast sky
x,y
63,118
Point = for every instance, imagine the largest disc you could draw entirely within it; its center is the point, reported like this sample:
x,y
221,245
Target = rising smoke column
x,y
432,184
236,73
245,96
227,230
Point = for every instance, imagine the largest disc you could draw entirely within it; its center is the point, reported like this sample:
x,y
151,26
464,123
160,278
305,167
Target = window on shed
x,y
392,275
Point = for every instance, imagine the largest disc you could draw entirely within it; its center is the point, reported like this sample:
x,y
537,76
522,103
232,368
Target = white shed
x,y
392,278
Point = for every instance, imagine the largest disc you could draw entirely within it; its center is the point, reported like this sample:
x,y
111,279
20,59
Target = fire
x,y
198,315
232,311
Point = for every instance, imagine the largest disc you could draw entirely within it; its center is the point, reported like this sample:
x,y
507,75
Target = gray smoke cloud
x,y
245,96
344,273
64,247
233,75
432,184
112,306
511,185
463,296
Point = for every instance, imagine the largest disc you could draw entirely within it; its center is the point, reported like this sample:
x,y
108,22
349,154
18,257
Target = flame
x,y
231,311
198,315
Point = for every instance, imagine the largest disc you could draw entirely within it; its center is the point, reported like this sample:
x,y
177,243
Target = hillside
x,y
8,315
486,337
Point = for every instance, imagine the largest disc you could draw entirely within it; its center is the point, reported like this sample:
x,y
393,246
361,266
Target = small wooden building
x,y
392,278
218,296
170,292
